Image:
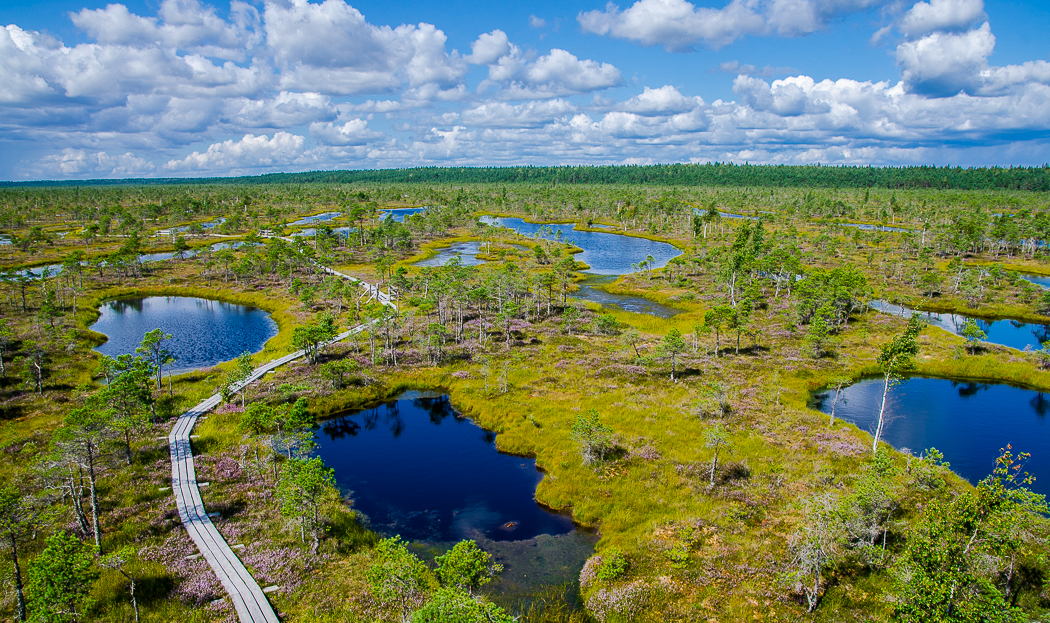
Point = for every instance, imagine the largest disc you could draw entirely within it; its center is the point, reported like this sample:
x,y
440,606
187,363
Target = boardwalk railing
x,y
249,601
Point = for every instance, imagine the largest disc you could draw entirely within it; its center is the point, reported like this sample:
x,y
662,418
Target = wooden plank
x,y
249,600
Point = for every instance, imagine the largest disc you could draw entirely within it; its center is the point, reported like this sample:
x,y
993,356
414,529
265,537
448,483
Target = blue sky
x,y
192,88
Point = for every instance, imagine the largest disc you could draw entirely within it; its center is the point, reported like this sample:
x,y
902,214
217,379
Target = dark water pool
x,y
466,251
400,214
606,253
417,468
205,332
968,422
1012,333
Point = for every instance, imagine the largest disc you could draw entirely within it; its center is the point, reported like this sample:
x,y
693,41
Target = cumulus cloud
x,y
662,101
76,162
537,22
488,48
786,98
144,88
676,25
941,15
562,70
330,48
679,26
522,76
353,132
943,64
248,153
527,115
185,24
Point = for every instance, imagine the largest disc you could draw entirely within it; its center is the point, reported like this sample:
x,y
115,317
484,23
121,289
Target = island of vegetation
x,y
708,370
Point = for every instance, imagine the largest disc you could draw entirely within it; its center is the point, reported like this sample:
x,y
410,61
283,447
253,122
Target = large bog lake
x,y
417,468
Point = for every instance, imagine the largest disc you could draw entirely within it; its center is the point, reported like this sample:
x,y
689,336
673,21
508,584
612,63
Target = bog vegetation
x,y
687,442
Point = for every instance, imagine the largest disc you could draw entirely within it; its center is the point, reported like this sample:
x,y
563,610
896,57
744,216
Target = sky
x,y
188,88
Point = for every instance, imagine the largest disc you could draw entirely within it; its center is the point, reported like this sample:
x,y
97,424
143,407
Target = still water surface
x,y
1011,333
466,251
605,253
968,422
419,469
205,332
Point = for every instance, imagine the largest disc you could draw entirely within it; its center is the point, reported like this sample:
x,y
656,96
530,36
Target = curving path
x,y
249,601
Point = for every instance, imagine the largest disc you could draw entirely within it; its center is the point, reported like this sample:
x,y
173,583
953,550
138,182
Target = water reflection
x,y
418,468
606,253
205,332
467,252
1011,333
969,422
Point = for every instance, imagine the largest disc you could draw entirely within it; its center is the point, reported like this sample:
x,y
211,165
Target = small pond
x,y
724,214
869,227
205,332
1039,280
593,289
968,422
466,251
606,253
400,214
1011,333
316,218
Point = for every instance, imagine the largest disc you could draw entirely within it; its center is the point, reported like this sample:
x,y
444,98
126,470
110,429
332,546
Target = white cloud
x,y
526,115
679,26
662,101
941,15
185,24
786,98
285,110
555,74
353,132
77,162
248,153
488,48
330,48
943,64
130,100
676,25
562,69
537,22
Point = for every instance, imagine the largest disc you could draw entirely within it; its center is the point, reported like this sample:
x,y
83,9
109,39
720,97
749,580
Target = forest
x,y
569,394
712,174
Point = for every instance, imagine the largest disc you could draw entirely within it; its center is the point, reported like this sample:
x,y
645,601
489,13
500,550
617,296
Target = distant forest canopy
x,y
713,174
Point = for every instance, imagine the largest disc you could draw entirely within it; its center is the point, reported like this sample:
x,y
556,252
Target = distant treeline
x,y
714,174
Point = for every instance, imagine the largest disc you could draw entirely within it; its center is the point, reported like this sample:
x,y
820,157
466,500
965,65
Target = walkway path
x,y
248,598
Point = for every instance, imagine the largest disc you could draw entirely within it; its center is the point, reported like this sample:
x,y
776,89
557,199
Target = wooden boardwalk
x,y
249,601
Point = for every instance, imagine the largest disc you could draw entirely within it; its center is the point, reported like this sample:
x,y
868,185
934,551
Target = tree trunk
x,y
18,576
882,411
78,503
96,528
